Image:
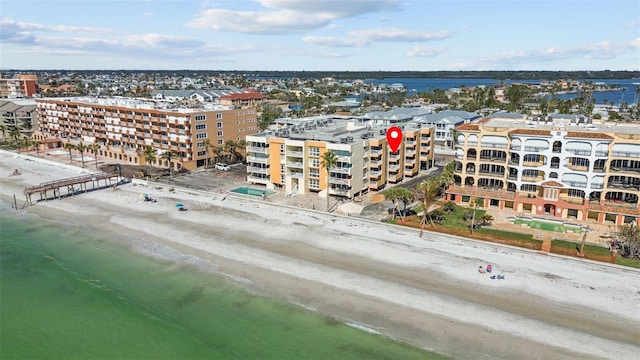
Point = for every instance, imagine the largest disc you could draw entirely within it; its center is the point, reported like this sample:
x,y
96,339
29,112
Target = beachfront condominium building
x,y
24,86
290,156
125,127
18,113
562,167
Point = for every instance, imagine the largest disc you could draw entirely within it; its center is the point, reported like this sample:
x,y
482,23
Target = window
x,y
219,125
218,116
314,173
314,183
281,148
528,187
201,117
551,194
200,144
220,133
202,153
201,127
314,162
201,136
220,142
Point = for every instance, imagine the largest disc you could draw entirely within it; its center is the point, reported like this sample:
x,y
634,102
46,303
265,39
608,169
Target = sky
x,y
320,35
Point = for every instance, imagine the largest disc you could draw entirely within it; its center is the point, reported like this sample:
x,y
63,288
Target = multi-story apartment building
x,y
290,157
20,113
24,86
125,127
564,168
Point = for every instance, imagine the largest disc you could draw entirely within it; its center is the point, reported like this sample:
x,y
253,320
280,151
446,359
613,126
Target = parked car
x,y
222,166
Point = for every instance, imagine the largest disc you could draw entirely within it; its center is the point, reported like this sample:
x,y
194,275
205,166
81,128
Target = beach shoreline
x,y
423,291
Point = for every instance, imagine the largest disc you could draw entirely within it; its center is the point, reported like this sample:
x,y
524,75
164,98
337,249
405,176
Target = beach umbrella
x,y
179,205
143,196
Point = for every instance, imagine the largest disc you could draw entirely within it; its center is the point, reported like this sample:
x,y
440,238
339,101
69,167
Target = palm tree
x,y
328,160
230,148
392,194
168,155
15,134
429,189
407,197
82,148
149,155
207,145
95,147
69,146
242,147
477,202
4,129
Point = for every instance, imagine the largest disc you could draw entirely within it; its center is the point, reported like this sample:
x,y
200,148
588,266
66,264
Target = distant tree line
x,y
350,75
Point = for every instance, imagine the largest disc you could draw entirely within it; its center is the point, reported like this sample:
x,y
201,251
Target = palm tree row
x,y
82,148
230,152
430,190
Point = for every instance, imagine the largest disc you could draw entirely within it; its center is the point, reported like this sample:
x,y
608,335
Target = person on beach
x,y
489,268
481,270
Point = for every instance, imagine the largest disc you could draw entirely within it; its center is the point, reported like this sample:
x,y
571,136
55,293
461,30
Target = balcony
x,y
376,151
493,145
530,178
578,184
336,180
493,159
618,185
535,148
295,164
602,153
295,153
257,160
579,152
295,174
625,169
631,154
258,149
600,169
257,170
491,173
572,199
533,163
341,170
578,167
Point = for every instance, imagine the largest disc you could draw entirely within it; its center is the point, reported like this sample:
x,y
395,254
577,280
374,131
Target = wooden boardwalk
x,y
71,186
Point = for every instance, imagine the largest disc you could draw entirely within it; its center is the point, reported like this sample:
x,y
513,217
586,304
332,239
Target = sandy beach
x,y
386,279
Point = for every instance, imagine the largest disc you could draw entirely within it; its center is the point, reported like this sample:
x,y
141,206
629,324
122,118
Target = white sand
x,y
381,278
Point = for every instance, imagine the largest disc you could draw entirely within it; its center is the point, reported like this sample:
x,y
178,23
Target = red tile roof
x,y
468,127
593,135
531,132
243,96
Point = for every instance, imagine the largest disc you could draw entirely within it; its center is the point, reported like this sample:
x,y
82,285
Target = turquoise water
x,y
548,226
69,293
252,191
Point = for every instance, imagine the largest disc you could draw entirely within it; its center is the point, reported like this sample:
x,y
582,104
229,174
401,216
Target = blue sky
x,y
331,35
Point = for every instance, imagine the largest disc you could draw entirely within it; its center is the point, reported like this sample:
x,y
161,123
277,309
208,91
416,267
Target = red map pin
x,y
394,138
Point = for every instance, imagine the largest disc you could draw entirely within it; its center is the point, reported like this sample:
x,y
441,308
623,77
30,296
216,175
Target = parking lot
x,y
210,179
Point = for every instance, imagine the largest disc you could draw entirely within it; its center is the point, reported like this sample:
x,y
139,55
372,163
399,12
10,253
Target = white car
x,y
223,167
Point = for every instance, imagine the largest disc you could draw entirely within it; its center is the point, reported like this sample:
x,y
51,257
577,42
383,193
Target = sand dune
x,y
425,291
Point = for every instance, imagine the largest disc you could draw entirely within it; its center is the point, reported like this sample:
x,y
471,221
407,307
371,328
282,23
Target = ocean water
x,y
628,94
67,292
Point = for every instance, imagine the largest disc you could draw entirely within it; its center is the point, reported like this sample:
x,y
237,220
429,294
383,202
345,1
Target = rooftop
x,y
576,127
138,103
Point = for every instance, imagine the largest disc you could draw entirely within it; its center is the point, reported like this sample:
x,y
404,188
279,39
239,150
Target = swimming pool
x,y
245,190
548,225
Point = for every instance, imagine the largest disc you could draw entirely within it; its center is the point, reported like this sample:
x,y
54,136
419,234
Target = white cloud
x,y
331,41
135,45
391,34
360,38
424,51
287,16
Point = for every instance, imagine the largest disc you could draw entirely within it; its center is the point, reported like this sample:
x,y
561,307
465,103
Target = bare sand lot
x,y
425,291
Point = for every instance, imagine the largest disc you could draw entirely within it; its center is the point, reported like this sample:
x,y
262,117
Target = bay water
x,y
67,292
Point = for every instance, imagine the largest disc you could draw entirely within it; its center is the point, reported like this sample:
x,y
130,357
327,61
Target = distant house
x,y
203,96
242,99
444,122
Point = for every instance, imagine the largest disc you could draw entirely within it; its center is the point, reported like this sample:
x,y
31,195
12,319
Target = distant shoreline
x,y
376,75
